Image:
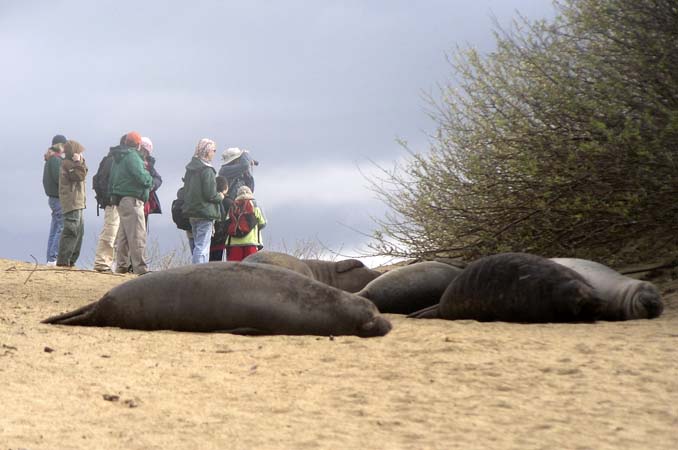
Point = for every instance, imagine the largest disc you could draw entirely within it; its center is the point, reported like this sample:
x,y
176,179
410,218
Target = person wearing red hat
x,y
129,187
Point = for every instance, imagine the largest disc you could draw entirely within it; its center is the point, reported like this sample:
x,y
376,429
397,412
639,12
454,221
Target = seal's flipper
x,y
431,312
80,316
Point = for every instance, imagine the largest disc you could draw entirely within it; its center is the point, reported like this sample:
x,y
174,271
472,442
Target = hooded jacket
x,y
201,199
50,173
72,176
129,177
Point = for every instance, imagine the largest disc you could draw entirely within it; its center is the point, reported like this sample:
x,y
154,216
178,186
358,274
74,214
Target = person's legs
x,y
202,235
55,229
80,230
191,242
249,250
234,254
131,239
103,260
69,237
136,237
121,241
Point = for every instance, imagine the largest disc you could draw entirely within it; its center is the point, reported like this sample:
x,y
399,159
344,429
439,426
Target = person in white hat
x,y
237,167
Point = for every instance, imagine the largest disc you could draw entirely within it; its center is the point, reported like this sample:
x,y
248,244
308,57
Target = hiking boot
x,y
103,270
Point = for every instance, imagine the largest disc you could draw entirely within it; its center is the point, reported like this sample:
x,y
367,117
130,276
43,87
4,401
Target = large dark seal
x,y
517,287
624,298
349,275
234,298
407,289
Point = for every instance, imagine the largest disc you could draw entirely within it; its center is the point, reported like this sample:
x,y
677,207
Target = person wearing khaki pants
x,y
129,187
103,260
131,239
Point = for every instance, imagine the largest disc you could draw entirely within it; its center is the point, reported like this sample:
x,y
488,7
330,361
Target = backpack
x,y
180,220
241,218
100,182
178,217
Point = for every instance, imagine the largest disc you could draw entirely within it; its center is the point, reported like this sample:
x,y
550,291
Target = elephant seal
x,y
624,298
516,287
349,275
407,289
234,298
280,260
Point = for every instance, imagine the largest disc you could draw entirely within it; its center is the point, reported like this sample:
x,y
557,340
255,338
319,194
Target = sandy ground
x,y
429,384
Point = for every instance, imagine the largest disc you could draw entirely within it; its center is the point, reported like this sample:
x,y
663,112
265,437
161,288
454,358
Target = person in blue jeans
x,y
50,181
202,201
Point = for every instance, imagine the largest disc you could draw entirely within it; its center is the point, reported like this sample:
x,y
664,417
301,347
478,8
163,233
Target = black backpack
x,y
178,217
100,182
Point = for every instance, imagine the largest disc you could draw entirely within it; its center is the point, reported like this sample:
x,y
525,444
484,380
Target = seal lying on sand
x,y
410,288
349,275
624,298
234,298
516,287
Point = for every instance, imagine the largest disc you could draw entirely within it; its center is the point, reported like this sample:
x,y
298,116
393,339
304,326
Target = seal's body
x,y
517,287
348,275
410,288
624,298
231,297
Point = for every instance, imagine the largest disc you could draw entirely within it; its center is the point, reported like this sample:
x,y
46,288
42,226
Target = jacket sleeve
x,y
209,186
75,170
261,220
157,179
136,169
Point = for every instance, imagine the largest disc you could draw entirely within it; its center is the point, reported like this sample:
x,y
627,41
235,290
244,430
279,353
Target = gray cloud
x,y
313,89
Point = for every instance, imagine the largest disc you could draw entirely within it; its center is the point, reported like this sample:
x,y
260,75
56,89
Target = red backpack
x,y
241,218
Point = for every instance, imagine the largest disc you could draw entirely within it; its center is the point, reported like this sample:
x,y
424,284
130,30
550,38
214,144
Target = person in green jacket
x,y
50,181
201,199
129,186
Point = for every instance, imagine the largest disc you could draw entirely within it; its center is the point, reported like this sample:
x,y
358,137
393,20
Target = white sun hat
x,y
231,154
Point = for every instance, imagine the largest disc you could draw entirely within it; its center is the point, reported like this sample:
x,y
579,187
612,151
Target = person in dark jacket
x,y
218,242
129,187
152,205
50,181
202,201
237,166
105,252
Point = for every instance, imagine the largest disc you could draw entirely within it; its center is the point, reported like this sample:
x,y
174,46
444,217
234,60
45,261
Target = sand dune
x,y
429,384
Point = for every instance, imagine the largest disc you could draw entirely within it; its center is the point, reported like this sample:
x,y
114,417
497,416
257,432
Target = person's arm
x,y
209,186
261,220
157,179
136,169
75,170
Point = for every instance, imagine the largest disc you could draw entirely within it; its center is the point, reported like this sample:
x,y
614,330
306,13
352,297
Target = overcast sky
x,y
314,89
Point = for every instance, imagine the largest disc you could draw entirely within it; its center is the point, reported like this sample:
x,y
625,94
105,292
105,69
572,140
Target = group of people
x,y
226,200
221,209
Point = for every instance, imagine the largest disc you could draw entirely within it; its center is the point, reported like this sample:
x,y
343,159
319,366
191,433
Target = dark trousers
x,y
71,238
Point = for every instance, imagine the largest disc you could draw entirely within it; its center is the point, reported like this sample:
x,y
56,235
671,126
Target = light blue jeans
x,y
55,229
202,235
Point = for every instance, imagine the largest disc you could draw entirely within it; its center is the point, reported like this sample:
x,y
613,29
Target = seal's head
x,y
378,326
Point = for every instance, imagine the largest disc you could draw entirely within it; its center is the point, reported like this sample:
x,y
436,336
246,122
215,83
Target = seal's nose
x,y
379,326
